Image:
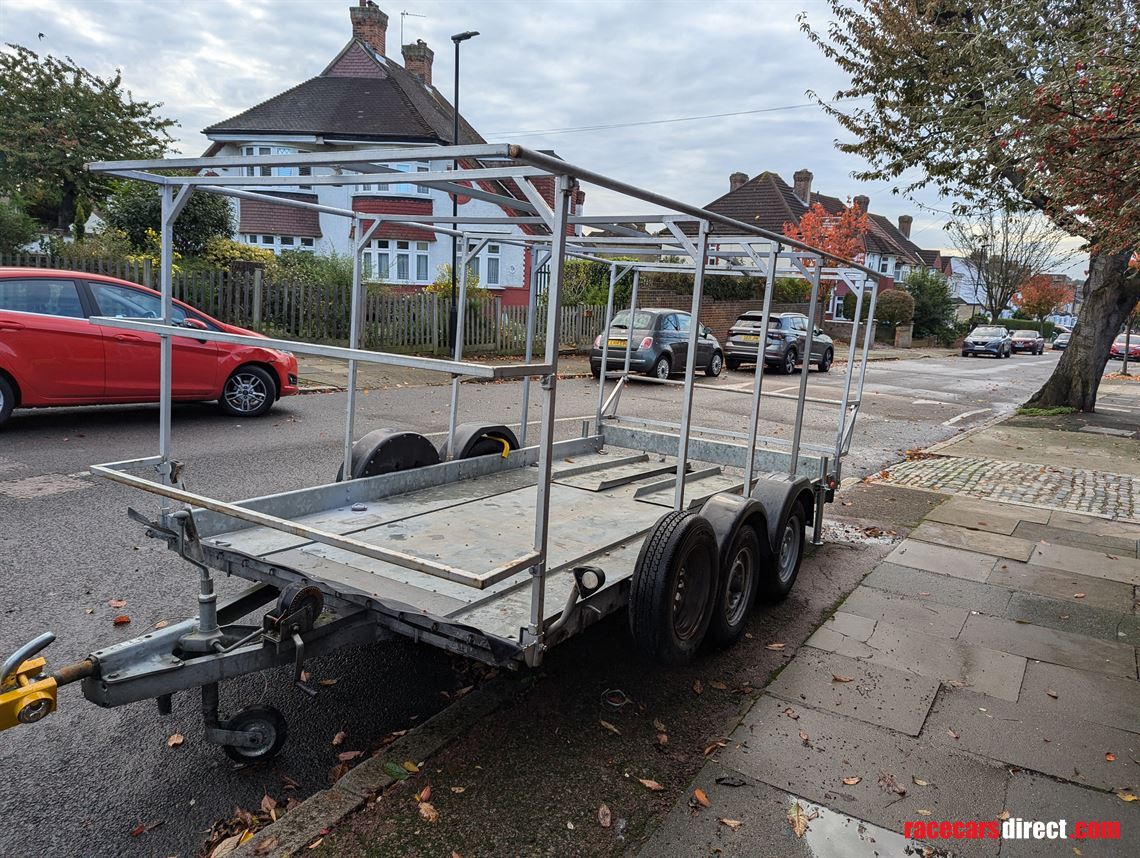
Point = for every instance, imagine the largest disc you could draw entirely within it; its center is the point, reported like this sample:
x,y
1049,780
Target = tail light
x,y
775,335
598,341
646,343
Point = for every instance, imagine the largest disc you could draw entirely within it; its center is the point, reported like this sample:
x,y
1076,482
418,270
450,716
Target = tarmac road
x,y
79,782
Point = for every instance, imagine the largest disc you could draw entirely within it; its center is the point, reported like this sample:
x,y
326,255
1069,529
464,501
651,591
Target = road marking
x,y
931,402
954,420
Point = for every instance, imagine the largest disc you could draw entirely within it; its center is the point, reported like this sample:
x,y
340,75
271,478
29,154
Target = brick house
x,y
769,202
364,99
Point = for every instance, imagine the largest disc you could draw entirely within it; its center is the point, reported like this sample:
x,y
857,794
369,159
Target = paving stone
x,y
1113,595
938,558
944,589
877,695
1113,544
1055,647
1032,796
850,625
973,540
832,641
980,515
1015,733
1092,524
1109,700
767,747
920,614
1070,616
1096,564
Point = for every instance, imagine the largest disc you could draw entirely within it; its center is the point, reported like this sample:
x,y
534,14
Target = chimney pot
x,y
863,202
802,185
369,25
417,60
905,222
735,180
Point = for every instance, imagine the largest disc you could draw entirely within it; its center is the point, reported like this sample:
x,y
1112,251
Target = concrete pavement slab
x,y
1114,544
1029,736
1055,647
850,625
878,695
919,613
768,747
1109,700
1097,564
943,589
1035,797
937,558
1074,617
1055,584
980,515
982,541
1092,524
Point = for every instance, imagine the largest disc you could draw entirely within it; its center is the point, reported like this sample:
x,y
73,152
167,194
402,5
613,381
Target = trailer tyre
x,y
736,590
785,565
264,720
673,588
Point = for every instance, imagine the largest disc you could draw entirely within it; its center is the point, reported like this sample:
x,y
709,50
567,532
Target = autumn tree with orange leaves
x,y
1042,296
839,236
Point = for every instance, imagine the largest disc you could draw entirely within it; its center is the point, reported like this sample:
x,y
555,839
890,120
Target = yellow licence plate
x,y
750,338
617,344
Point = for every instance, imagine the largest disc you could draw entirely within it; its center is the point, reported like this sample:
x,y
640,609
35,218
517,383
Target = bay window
x,y
394,261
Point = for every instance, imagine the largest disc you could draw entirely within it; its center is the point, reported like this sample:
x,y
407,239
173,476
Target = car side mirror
x,y
818,332
705,330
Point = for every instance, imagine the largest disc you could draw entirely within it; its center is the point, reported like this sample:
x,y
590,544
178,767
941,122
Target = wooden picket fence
x,y
416,322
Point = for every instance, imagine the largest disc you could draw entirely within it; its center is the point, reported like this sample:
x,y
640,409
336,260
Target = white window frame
x,y
488,260
279,243
400,189
384,258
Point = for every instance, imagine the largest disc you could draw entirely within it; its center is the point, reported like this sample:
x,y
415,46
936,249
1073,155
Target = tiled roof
x,y
259,216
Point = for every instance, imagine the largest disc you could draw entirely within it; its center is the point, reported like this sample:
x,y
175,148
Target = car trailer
x,y
489,547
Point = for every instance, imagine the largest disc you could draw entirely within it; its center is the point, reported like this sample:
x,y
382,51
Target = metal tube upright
x,y
531,308
758,381
632,317
798,430
702,247
460,319
353,343
562,191
166,351
850,374
606,347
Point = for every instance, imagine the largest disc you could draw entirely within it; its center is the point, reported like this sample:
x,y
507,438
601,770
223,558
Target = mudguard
x,y
467,435
384,450
726,512
778,493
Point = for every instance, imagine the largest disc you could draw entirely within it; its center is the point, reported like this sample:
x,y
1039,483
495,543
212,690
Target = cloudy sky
x,y
539,68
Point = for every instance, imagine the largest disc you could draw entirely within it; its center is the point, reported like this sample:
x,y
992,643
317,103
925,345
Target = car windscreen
x,y
1029,334
988,332
641,320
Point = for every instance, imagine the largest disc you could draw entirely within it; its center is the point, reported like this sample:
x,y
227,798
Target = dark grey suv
x,y
660,344
783,346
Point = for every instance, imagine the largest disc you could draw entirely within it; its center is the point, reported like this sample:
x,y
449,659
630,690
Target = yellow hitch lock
x,y
27,695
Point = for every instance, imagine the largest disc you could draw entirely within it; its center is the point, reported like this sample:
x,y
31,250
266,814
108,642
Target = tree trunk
x,y
66,211
1110,297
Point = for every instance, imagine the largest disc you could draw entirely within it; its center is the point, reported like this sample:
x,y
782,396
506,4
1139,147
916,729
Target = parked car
x,y
50,354
1129,341
1061,341
991,340
784,344
660,344
1028,341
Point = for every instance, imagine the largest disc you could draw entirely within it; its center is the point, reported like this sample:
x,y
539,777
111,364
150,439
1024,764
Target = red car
x,y
50,354
1028,341
1117,352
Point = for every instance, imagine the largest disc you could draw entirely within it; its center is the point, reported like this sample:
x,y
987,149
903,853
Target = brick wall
x,y
718,315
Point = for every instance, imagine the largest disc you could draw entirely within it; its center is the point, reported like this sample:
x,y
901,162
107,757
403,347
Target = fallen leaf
x,y
775,646
319,841
650,785
1004,815
838,677
799,819
924,812
718,685
887,783
337,772
428,812
609,727
116,603
605,818
852,780
730,781
289,782
658,726
1051,693
662,738
1078,595
805,738
424,794
459,790
395,772
410,767
919,781
714,746
138,830
731,823
339,738
454,854
224,848
327,682
701,797
1110,757
698,687
121,620
792,713
346,756
1111,556
162,624
266,846
174,740
952,734
89,610
1126,796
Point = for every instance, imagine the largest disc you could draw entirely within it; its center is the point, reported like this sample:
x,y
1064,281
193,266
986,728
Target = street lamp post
x,y
456,39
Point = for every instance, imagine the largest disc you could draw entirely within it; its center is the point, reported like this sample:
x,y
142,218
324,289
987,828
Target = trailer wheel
x,y
674,581
382,451
476,439
736,591
785,565
267,723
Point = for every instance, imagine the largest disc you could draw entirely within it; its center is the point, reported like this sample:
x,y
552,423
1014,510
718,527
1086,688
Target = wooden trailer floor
x,y
601,505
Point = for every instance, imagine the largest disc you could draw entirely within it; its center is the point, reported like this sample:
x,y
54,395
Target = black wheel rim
x,y
789,549
790,362
690,594
267,734
741,574
827,360
246,392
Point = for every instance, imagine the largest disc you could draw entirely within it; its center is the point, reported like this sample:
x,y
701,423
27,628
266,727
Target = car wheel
x,y
249,392
965,354
825,361
733,364
661,368
596,373
716,364
789,361
7,399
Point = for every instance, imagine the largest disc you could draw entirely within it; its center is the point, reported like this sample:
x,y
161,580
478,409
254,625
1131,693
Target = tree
x,y
56,117
16,227
933,303
894,307
1004,248
1042,296
1033,105
839,236
136,207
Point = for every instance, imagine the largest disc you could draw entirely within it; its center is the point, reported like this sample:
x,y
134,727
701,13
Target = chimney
x,y
863,202
802,186
369,24
417,60
904,224
735,180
